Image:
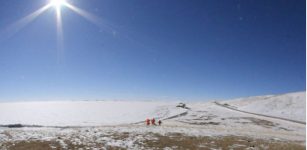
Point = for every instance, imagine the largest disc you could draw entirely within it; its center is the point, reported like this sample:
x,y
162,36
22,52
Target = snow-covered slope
x,y
97,113
84,113
290,106
113,118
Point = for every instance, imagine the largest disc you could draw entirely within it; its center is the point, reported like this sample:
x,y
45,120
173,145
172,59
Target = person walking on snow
x,y
153,121
159,122
147,122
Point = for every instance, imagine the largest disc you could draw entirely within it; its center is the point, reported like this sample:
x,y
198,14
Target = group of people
x,y
152,121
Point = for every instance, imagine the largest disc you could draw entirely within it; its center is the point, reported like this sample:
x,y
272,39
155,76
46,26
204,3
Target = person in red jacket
x,y
153,121
147,122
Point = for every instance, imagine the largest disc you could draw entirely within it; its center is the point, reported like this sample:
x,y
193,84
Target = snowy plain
x,y
83,113
82,122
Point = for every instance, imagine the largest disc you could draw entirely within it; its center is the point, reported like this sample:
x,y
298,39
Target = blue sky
x,y
154,50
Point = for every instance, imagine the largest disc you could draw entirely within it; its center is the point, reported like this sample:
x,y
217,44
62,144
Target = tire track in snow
x,y
274,117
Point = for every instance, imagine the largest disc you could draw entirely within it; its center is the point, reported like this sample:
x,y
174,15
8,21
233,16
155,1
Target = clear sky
x,y
152,49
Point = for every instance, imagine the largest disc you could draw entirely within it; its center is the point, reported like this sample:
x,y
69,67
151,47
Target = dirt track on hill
x,y
262,115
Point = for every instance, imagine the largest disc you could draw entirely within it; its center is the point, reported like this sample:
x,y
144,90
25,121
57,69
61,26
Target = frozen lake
x,y
83,113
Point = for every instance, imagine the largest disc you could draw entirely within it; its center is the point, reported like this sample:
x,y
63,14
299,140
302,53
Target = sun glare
x,y
57,3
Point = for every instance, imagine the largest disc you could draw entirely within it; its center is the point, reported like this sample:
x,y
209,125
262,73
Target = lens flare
x,y
57,3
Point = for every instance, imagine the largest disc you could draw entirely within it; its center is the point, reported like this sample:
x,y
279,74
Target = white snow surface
x,y
99,120
84,113
289,106
96,113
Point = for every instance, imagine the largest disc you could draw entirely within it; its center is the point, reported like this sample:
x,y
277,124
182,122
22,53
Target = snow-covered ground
x,y
291,105
84,113
104,121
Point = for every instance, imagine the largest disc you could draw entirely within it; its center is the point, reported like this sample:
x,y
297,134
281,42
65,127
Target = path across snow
x,y
289,106
274,117
201,119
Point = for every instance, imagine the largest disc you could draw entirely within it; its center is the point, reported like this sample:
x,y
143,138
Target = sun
x,y
57,3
